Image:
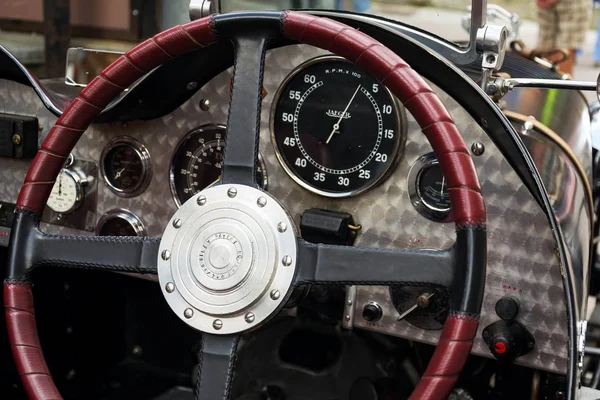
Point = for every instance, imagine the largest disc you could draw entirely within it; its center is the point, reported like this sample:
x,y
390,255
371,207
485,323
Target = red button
x,y
500,348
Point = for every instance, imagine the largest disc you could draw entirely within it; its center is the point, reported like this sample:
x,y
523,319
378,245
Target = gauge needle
x,y
214,183
336,126
443,181
405,313
60,185
118,174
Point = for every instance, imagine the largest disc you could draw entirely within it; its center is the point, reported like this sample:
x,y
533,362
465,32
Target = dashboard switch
x,y
508,340
507,308
18,136
372,312
328,227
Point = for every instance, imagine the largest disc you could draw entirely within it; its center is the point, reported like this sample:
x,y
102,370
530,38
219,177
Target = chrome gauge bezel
x,y
124,214
401,127
183,141
144,156
430,212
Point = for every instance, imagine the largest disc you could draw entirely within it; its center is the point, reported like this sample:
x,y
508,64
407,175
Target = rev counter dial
x,y
337,131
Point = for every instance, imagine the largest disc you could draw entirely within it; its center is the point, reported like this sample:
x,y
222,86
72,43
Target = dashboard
x,y
331,138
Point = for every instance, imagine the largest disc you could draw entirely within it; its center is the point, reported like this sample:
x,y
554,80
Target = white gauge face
x,y
66,194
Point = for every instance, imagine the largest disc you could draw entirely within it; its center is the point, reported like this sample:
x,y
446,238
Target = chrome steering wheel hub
x,y
227,259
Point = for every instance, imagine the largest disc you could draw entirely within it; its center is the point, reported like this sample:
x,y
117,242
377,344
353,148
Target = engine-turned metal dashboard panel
x,y
521,249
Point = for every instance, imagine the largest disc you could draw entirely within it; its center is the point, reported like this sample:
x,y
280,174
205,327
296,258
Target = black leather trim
x,y
30,248
219,355
243,120
346,265
469,274
263,23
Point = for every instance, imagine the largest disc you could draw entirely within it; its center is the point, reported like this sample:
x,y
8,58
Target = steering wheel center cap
x,y
220,255
224,259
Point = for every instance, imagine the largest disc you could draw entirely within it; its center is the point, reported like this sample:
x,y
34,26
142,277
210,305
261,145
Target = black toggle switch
x,y
372,312
328,227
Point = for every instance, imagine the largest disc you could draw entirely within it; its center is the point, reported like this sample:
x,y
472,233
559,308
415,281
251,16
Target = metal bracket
x,y
203,8
491,42
497,13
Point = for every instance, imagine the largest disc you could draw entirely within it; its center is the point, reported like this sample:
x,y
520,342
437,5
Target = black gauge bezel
x,y
120,213
183,141
400,127
144,156
430,212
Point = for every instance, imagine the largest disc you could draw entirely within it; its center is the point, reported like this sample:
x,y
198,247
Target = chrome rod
x,y
512,83
593,351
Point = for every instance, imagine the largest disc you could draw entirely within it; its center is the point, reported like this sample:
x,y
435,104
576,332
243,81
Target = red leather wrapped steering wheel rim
x,y
412,90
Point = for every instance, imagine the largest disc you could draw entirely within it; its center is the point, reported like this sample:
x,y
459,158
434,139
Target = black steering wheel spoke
x,y
216,366
104,253
349,265
243,122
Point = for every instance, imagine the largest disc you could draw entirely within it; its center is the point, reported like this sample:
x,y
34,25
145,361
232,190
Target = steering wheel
x,y
230,256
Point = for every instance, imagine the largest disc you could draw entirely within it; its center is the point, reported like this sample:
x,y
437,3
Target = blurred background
x,y
39,32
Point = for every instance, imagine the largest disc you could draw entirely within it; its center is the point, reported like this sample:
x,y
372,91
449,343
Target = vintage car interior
x,y
309,204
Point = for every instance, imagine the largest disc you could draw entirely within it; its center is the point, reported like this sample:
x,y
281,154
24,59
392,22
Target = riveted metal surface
x,y
521,249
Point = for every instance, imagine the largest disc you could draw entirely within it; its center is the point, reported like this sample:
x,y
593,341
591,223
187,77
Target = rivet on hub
x,y
275,294
166,254
249,318
188,313
170,287
281,227
201,200
261,201
217,324
177,223
287,261
232,192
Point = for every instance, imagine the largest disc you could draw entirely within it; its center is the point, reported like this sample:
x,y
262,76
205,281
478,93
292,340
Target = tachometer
x,y
337,131
197,162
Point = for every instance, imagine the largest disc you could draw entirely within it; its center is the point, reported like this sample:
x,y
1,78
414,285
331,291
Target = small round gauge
x,y
198,160
425,307
428,189
67,192
336,130
120,222
125,166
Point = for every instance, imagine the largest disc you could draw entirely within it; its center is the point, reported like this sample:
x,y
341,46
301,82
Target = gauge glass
x,y
126,166
337,131
66,193
428,189
432,188
120,222
198,160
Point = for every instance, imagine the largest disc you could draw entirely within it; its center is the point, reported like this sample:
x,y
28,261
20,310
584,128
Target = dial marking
x,y
336,126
